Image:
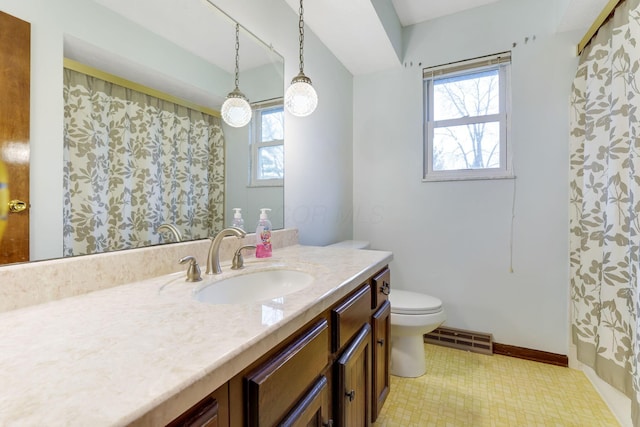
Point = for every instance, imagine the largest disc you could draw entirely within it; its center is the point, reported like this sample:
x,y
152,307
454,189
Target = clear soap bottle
x,y
263,235
238,222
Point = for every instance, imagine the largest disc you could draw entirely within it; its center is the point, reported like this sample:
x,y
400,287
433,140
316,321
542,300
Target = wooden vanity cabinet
x,y
332,372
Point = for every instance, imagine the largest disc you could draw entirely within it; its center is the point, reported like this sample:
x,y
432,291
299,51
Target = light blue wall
x,y
258,84
454,240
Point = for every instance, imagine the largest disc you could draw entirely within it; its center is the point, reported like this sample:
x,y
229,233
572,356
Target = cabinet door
x,y
313,408
353,379
381,358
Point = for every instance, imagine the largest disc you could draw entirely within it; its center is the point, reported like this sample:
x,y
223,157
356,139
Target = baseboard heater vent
x,y
476,342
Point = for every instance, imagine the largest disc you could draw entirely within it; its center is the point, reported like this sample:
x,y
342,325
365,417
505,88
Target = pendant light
x,y
301,98
236,110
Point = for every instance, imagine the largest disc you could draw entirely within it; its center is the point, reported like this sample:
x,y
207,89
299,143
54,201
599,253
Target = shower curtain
x,y
605,203
133,162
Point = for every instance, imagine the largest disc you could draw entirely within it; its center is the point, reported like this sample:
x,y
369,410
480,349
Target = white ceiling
x,y
352,30
415,11
197,26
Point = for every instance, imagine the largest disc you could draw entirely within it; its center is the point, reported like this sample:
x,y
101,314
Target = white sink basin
x,y
253,287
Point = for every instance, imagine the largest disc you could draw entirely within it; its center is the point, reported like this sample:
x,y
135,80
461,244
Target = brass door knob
x,y
16,206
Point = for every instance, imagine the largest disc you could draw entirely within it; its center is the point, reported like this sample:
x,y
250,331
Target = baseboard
x,y
530,354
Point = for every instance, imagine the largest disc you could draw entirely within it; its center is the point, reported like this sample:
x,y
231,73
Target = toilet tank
x,y
353,244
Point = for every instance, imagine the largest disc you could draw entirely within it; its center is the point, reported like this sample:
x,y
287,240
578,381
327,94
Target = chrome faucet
x,y
213,260
172,228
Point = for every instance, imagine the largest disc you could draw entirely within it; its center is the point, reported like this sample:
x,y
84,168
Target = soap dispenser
x,y
263,235
238,222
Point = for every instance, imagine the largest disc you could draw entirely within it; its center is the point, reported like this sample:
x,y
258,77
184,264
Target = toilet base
x,y
407,356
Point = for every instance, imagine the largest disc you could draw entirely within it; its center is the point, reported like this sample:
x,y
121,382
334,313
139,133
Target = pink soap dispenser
x,y
263,235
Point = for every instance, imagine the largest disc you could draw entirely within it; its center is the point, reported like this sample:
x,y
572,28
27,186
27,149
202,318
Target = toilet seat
x,y
413,303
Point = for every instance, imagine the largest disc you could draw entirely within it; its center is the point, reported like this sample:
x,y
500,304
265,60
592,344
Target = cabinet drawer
x,y
275,386
381,286
212,411
348,317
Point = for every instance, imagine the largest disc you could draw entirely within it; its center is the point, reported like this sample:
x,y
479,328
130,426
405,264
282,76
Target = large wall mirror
x,y
183,51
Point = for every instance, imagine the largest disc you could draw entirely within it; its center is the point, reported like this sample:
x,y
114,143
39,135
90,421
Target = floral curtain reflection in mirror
x,y
133,162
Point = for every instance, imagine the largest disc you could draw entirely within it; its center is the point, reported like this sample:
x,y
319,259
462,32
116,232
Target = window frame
x,y
500,62
257,144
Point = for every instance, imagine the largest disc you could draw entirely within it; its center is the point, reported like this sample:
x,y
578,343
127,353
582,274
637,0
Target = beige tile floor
x,y
469,389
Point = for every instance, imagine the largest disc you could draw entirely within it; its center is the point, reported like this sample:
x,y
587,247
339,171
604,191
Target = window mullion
x,y
462,121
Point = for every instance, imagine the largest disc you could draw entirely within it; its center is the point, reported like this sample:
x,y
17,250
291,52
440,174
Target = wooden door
x,y
15,77
354,381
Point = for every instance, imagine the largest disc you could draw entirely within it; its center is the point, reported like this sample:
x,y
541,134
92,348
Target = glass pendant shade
x,y
236,111
300,98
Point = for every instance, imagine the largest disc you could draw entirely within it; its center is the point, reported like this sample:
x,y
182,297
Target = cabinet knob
x,y
385,288
328,424
351,395
380,342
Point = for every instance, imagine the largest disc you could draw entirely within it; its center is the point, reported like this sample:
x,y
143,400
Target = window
x,y
466,119
267,148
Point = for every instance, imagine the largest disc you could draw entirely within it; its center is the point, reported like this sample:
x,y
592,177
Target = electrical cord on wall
x,y
513,217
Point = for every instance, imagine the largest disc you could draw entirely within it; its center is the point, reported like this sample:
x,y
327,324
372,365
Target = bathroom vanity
x,y
335,369
149,353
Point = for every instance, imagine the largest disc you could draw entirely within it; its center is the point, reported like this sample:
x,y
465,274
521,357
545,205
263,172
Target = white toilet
x,y
412,315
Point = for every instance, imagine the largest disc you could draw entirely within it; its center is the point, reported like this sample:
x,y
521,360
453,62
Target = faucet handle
x,y
238,259
193,272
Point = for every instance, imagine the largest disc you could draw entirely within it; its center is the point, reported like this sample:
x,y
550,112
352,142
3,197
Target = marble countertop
x,y
142,353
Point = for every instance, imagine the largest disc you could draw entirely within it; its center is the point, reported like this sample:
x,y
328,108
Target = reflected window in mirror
x,y
267,146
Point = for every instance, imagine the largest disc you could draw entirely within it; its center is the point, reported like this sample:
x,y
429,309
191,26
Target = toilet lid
x,y
407,302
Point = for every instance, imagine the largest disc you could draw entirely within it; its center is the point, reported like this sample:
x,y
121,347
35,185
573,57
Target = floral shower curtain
x,y
133,162
605,203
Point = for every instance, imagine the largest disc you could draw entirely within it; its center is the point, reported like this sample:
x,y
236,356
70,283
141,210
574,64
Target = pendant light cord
x,y
237,54
301,29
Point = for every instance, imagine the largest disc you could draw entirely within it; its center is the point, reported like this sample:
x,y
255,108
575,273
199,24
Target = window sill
x,y
459,177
